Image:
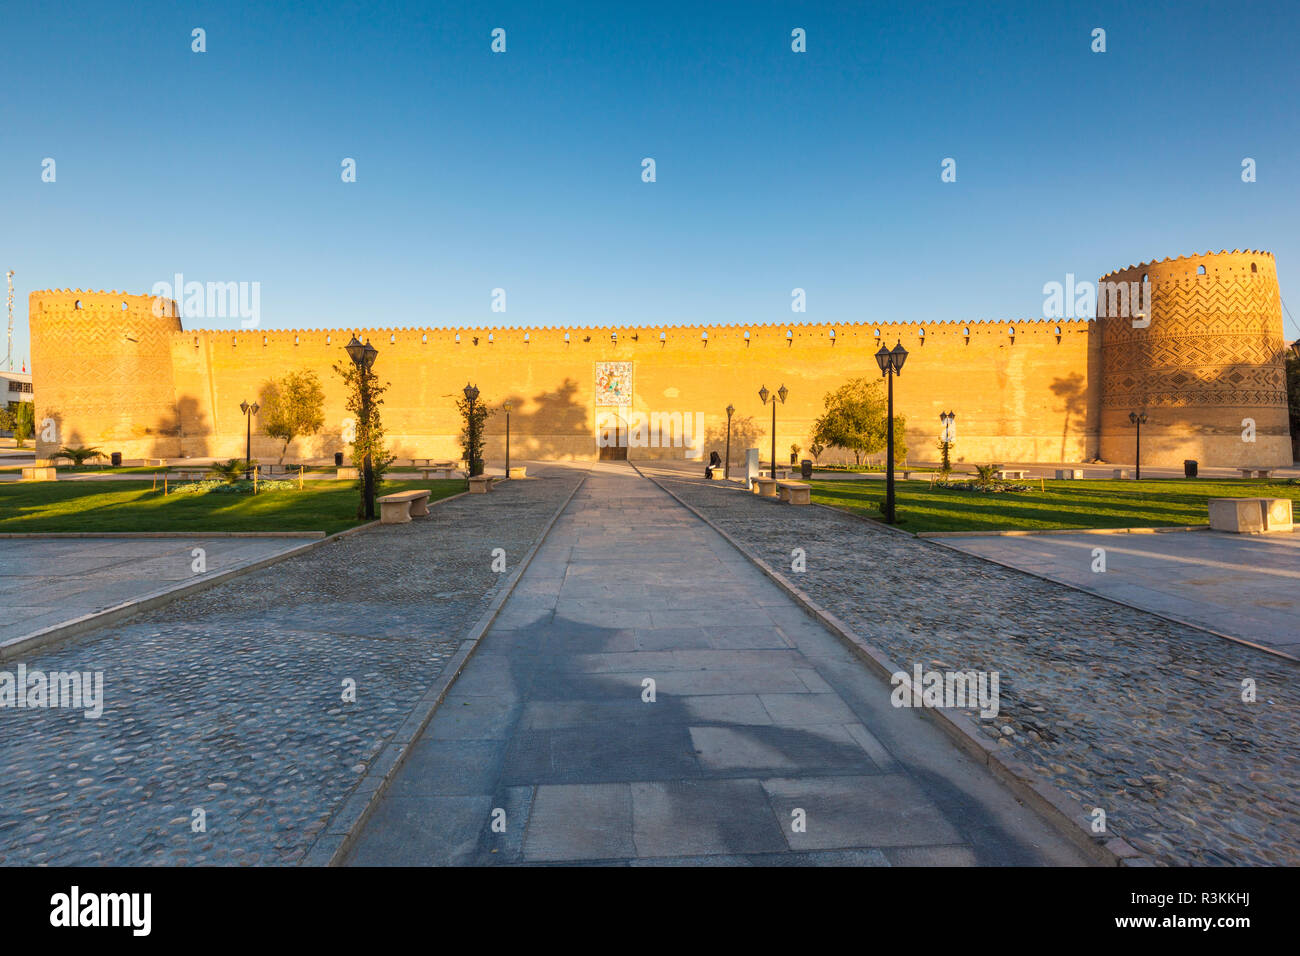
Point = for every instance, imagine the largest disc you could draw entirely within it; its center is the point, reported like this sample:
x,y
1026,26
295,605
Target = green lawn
x,y
85,506
1064,504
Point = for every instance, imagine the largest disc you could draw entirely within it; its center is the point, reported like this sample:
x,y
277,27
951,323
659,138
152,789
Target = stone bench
x,y
1258,472
40,474
347,473
402,506
1064,474
444,471
794,492
482,484
765,487
1007,474
1119,473
519,471
1250,515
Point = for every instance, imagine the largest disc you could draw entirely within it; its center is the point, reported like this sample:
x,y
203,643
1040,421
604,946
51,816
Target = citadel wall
x,y
1021,396
112,373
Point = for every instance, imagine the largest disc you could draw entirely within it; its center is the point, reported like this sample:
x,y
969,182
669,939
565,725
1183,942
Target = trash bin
x,y
117,459
338,459
805,469
1189,468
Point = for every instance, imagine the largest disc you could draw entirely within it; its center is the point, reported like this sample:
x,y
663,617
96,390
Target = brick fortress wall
x,y
128,380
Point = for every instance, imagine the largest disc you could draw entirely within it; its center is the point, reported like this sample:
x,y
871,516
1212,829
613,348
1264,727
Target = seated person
x,y
715,462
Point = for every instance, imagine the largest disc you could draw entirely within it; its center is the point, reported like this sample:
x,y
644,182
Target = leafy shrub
x,y
76,454
229,471
212,485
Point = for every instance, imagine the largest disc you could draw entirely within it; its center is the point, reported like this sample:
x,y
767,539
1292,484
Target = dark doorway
x,y
613,443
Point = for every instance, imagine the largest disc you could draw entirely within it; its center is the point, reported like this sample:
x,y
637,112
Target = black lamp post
x,y
891,364
506,406
764,394
947,418
1138,421
726,462
363,357
471,395
249,411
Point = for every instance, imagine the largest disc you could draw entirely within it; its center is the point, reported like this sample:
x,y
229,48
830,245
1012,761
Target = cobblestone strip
x,y
228,707
1121,710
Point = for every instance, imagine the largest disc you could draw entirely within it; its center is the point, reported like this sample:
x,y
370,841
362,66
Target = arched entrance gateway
x,y
611,434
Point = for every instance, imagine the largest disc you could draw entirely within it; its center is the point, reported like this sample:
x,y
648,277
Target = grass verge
x,y
114,506
1063,505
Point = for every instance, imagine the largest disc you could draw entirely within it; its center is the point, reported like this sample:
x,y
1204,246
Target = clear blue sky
x,y
523,170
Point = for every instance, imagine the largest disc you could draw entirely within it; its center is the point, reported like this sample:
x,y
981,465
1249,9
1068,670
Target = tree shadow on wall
x,y
556,426
182,434
1074,398
744,435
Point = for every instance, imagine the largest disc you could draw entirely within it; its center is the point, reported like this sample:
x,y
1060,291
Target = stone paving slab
x,y
1245,586
230,701
1123,711
547,723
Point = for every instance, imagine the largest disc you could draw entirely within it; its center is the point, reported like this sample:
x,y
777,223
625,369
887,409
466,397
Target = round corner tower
x,y
1196,344
102,372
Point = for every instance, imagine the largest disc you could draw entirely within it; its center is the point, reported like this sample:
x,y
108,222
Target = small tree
x,y
19,418
945,446
471,433
365,395
856,418
816,450
293,407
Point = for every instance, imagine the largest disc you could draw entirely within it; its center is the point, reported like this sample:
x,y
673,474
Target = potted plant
x,y
794,454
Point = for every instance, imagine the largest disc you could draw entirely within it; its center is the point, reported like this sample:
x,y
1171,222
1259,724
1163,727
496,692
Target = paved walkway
x,y
232,701
1185,740
759,712
1246,586
49,581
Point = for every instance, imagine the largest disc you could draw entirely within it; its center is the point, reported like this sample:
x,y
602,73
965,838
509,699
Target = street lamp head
x,y
783,392
1132,418
471,392
256,408
243,407
356,351
731,409
763,393
507,405
898,356
368,355
884,360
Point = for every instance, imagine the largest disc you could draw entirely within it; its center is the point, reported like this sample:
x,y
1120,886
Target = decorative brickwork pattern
x,y
1211,357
